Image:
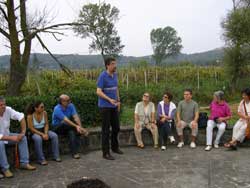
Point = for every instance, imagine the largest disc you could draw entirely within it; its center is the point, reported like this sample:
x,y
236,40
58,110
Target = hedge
x,y
85,102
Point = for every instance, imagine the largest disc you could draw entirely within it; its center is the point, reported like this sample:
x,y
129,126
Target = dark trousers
x,y
164,132
110,117
74,136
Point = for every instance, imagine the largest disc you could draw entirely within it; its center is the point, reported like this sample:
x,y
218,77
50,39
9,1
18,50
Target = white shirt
x,y
5,120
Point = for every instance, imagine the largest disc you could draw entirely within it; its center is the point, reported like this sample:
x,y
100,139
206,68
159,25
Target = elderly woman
x,y
145,118
239,130
166,112
219,114
38,124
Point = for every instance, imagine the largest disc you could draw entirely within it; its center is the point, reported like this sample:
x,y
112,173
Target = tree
x,y
237,37
165,43
19,30
97,21
240,3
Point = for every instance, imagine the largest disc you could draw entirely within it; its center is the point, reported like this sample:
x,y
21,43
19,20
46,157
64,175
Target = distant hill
x,y
74,61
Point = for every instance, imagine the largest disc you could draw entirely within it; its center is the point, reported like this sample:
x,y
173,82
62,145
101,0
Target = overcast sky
x,y
196,21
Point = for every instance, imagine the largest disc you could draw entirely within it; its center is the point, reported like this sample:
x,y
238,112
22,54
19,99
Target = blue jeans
x,y
74,137
39,145
23,152
164,132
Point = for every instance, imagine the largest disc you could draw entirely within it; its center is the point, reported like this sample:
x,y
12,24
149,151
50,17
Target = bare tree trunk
x,y
234,5
17,78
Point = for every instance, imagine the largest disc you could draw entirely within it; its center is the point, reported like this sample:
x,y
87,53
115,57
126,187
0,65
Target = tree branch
x,y
4,33
4,13
53,27
63,67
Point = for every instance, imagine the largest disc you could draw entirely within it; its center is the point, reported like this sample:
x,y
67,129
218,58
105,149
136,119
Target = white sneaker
x,y
180,145
192,145
172,140
216,146
208,148
163,148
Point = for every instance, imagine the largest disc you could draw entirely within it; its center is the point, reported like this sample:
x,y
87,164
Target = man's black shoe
x,y
118,151
108,156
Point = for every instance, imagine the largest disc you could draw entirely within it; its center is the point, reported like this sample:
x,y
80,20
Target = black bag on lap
x,y
202,121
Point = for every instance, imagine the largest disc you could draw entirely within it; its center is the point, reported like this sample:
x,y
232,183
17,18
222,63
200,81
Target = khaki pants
x,y
182,125
153,130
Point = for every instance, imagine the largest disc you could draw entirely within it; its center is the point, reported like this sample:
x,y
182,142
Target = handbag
x,y
247,136
202,121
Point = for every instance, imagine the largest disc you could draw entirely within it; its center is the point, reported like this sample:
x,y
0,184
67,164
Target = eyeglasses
x,y
166,97
66,100
145,95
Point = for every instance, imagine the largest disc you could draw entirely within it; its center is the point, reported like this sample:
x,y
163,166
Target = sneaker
x,y
216,146
1,176
208,148
58,159
172,140
163,148
43,163
76,156
180,145
192,145
27,167
8,174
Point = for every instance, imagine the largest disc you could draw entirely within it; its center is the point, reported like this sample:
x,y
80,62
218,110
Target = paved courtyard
x,y
148,168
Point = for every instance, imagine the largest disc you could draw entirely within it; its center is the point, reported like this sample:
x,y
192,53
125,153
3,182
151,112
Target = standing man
x,y
109,104
187,115
65,120
8,138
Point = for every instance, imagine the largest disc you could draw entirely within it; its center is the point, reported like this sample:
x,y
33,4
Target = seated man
x,y
145,118
187,115
7,138
66,121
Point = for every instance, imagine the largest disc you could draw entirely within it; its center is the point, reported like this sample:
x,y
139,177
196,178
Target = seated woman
x,y
145,118
220,113
166,112
38,124
239,130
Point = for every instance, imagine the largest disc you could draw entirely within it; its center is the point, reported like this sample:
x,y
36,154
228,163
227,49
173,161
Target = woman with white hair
x,y
220,113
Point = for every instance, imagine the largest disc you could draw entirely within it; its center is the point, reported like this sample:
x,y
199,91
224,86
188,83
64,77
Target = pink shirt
x,y
219,110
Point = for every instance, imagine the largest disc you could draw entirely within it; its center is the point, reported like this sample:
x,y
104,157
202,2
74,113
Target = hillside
x,y
75,61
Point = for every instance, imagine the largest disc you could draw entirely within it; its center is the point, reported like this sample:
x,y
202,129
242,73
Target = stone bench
x,y
126,138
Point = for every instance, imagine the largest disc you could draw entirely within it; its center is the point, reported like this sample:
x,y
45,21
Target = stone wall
x,y
126,138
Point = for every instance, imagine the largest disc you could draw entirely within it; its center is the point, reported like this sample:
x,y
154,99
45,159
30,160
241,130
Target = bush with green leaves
x,y
85,102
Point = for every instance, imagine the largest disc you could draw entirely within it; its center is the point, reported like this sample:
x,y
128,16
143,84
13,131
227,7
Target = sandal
x,y
227,145
140,146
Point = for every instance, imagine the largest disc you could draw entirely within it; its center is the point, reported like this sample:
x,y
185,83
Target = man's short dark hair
x,y
108,60
88,183
189,90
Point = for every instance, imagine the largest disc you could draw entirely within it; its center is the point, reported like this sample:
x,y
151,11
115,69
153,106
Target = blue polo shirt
x,y
109,86
60,113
